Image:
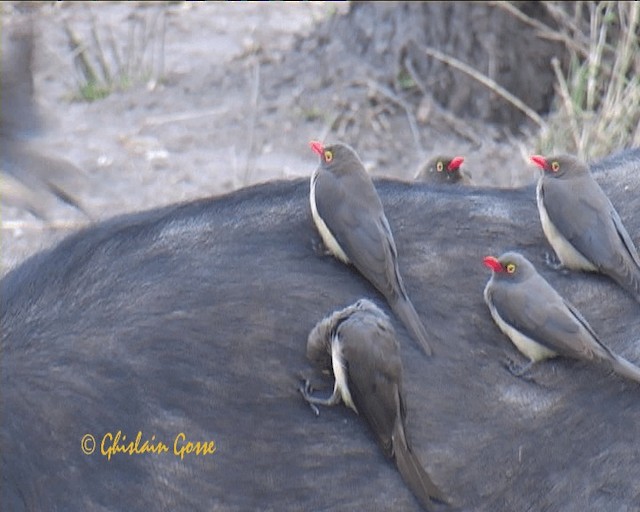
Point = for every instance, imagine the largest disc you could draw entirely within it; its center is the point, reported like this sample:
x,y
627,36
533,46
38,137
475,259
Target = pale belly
x,y
339,373
568,256
530,348
327,237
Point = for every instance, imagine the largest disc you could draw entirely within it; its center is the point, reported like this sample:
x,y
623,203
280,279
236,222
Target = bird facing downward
x,y
349,215
359,345
442,169
539,322
581,224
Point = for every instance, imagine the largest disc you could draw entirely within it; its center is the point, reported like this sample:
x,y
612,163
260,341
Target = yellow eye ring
x,y
511,268
555,166
328,156
439,166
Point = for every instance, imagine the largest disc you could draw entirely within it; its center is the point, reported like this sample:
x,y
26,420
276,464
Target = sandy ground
x,y
224,107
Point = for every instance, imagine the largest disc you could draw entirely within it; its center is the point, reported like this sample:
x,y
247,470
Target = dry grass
x,y
107,62
597,104
597,107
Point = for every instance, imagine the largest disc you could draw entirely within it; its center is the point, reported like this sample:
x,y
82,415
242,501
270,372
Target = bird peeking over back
x,y
581,224
442,169
539,322
358,344
349,216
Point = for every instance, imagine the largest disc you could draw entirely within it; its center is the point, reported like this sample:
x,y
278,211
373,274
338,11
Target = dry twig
x,y
458,126
492,85
389,94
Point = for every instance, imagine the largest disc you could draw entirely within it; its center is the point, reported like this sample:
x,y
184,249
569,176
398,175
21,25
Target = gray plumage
x,y
539,322
358,344
350,218
442,169
581,224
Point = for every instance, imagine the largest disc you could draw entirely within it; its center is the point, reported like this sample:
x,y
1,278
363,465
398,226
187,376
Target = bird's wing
x,y
40,178
536,310
581,212
624,237
595,345
412,471
374,373
358,224
375,377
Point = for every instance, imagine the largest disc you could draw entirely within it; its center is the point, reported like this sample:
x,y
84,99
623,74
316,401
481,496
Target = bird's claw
x,y
305,390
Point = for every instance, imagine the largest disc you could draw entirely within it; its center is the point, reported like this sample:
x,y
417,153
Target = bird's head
x,y
563,166
451,165
319,344
448,168
510,266
336,156
442,169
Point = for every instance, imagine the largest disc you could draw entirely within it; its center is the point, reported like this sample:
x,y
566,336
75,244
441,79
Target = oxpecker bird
x,y
359,345
442,169
581,224
349,215
539,322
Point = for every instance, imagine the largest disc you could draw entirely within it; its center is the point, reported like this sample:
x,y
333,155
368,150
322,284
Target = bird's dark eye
x,y
555,166
328,156
439,166
511,268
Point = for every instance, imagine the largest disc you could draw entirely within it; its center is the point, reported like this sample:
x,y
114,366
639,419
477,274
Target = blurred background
x,y
115,107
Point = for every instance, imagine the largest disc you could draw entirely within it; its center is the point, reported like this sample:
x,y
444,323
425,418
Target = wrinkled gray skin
x,y
194,318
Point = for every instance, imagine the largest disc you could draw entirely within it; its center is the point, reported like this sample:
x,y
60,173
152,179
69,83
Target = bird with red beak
x,y
539,322
581,224
442,169
349,216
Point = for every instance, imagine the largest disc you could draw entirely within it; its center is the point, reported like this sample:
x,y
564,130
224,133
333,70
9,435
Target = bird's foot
x,y
518,370
308,395
306,392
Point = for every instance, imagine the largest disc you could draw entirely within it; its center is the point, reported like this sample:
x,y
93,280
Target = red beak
x,y
540,161
493,263
317,147
455,164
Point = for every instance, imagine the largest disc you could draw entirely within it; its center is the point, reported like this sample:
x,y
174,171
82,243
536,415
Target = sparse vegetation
x,y
597,106
106,63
